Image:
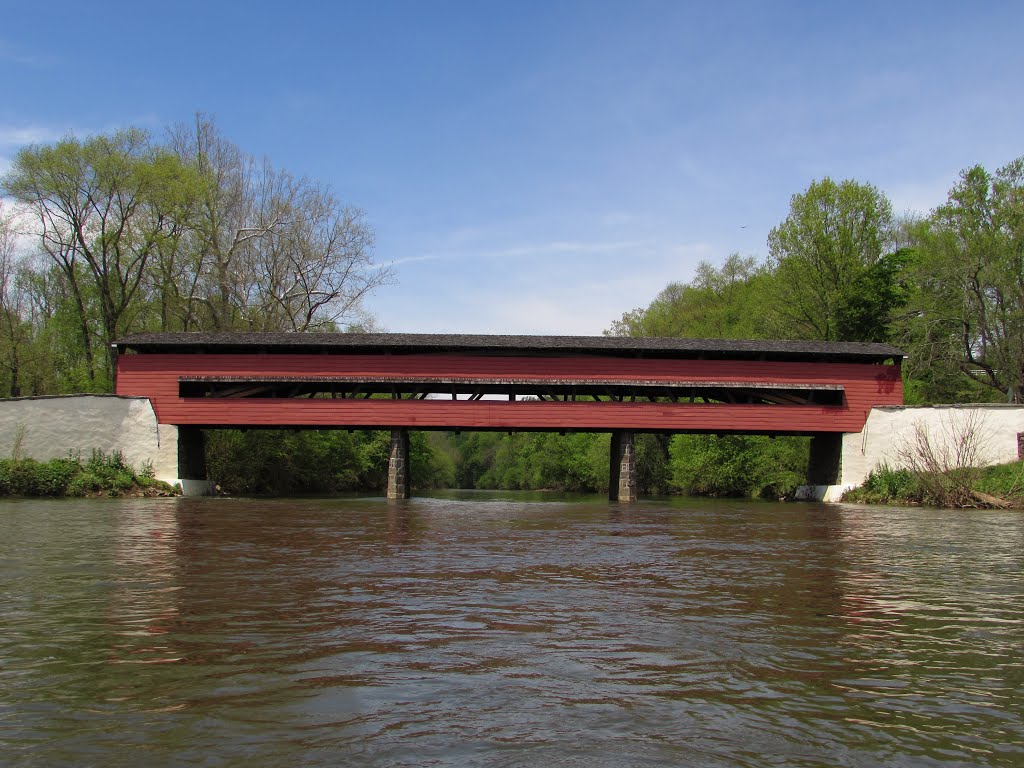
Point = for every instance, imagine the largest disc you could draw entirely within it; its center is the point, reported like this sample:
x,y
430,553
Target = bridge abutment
x,y
399,475
622,483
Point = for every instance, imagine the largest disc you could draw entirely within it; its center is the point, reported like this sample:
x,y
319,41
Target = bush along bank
x,y
1000,486
101,475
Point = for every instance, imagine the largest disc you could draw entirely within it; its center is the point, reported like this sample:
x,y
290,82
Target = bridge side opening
x,y
511,389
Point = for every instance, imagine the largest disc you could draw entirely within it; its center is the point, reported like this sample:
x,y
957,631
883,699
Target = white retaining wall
x,y
44,428
891,430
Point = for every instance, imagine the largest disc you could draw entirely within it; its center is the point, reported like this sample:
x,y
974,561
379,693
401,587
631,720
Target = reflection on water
x,y
483,629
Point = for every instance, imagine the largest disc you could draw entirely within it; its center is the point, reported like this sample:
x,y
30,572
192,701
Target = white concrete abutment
x,y
994,431
44,428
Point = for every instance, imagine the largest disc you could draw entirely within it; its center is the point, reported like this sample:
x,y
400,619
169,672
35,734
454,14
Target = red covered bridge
x,y
561,383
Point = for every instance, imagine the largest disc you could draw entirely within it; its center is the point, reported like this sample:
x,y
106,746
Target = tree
x,y
967,310
724,302
827,262
102,206
12,310
268,251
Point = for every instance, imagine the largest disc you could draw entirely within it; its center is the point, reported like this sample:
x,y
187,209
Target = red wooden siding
x,y
157,375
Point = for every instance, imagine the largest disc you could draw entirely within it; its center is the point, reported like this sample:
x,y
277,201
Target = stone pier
x,y
622,485
398,465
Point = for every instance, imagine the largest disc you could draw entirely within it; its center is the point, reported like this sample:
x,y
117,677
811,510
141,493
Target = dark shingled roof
x,y
616,346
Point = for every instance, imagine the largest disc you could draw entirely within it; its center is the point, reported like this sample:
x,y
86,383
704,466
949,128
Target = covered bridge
x,y
620,385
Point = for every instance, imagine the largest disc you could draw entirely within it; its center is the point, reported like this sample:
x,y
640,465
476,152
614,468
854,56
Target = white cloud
x,y
20,136
413,259
581,293
565,247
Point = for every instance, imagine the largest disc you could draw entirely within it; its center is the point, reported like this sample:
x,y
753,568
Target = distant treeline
x,y
117,234
286,462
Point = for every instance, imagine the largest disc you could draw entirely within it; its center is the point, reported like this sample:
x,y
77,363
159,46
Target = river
x,y
503,630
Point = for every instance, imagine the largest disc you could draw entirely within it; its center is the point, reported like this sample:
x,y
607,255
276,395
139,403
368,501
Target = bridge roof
x,y
407,343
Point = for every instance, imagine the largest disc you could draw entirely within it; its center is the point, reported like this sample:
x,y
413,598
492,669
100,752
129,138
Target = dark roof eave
x,y
423,342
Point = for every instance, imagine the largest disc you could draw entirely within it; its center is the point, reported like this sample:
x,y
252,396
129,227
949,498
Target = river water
x,y
488,630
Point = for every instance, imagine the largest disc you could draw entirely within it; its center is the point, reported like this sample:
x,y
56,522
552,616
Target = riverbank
x,y
100,475
1000,486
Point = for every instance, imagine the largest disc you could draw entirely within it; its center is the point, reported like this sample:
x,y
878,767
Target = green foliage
x,y
864,311
886,485
105,203
102,474
830,281
27,477
903,486
546,461
1005,481
738,465
576,462
726,303
287,462
966,318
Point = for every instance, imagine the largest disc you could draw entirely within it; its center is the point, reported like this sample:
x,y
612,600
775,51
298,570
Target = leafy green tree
x,y
966,314
102,206
829,271
725,302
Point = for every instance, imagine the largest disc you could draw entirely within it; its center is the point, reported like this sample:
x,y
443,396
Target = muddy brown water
x,y
507,630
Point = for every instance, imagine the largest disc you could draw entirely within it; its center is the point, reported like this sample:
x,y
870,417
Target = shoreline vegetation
x,y
999,486
101,475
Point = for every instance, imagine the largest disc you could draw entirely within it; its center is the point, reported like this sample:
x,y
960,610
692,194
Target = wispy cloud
x,y
564,247
414,259
11,136
582,292
491,251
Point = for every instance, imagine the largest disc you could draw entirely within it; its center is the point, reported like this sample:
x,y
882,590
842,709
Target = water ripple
x,y
499,632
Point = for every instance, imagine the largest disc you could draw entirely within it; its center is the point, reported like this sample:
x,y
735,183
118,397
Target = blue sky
x,y
542,167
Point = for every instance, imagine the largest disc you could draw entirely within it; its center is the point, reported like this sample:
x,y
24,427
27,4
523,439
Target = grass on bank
x,y
100,475
999,485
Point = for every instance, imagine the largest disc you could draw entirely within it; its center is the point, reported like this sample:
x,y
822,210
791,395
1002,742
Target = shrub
x,y
28,477
70,477
946,470
886,485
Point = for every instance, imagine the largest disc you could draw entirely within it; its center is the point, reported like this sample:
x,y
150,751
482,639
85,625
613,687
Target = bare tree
x,y
268,250
947,466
